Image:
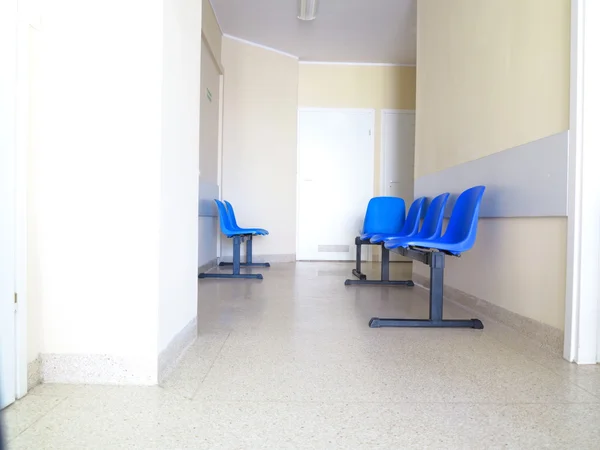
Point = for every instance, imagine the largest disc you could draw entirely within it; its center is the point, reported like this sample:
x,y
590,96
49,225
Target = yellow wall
x,y
345,86
492,75
497,68
259,143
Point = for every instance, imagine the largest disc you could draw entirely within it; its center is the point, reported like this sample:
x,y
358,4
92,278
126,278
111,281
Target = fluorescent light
x,y
307,9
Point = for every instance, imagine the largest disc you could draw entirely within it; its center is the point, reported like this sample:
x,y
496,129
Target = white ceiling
x,y
367,31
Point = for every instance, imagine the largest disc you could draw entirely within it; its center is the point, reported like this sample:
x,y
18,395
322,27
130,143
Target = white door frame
x,y
27,19
381,152
19,19
316,109
582,305
221,71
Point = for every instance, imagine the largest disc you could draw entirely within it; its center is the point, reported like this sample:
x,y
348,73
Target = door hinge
x,y
16,301
16,298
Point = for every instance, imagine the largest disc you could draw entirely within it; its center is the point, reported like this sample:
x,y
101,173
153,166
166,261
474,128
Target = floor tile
x,y
290,362
195,365
25,412
264,425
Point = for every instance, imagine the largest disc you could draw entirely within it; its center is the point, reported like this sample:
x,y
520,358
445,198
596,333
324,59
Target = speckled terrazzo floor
x,y
289,363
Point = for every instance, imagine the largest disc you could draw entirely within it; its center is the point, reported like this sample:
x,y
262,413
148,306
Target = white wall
x,y
115,229
179,173
259,144
99,177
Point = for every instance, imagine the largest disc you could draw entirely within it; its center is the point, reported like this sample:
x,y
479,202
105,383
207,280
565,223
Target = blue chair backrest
x,y
434,218
232,220
224,220
413,220
462,227
384,215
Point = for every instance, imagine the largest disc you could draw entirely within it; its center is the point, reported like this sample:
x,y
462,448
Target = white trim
x,y
583,239
254,44
220,154
318,109
332,63
297,183
398,111
372,112
22,146
381,152
174,351
68,368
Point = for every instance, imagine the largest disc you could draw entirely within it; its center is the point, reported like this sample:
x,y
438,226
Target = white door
x,y
335,181
397,158
398,154
7,202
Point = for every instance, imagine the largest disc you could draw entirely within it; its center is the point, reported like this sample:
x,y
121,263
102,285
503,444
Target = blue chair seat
x,y
235,227
462,227
384,215
411,226
432,224
367,236
378,238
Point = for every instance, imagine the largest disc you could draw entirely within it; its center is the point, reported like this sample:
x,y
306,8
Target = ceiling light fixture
x,y
307,9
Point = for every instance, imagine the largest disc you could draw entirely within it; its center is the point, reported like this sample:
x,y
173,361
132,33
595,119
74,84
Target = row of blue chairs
x,y
460,233
231,229
420,239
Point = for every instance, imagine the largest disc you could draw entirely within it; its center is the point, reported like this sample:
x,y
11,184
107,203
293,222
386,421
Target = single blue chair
x,y
238,235
411,226
432,224
459,237
235,226
462,227
384,215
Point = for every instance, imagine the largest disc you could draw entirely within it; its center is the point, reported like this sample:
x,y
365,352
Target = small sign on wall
x,y
208,95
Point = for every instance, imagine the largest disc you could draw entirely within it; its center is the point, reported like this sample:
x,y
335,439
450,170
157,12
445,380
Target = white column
x,y
582,316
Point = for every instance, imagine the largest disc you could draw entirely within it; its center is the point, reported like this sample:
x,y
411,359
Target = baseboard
x,y
168,358
34,373
209,265
266,258
98,369
546,336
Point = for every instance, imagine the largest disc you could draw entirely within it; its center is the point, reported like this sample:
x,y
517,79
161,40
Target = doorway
x,y
335,180
398,159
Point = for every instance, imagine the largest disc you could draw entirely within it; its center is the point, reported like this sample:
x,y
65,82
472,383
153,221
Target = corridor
x,y
289,362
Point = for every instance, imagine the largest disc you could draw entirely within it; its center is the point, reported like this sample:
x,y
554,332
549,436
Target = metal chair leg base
x,y
376,322
255,276
359,275
222,264
379,283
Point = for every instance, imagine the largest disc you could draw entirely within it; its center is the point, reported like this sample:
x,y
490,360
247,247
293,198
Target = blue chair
x,y
411,226
384,215
239,235
462,227
459,237
432,224
235,226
